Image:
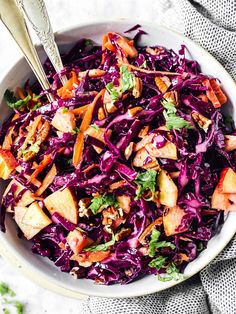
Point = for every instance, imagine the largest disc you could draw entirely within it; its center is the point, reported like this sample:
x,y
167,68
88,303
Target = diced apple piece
x,y
124,203
64,203
223,201
31,220
172,220
168,151
168,190
227,182
7,163
78,240
230,142
142,159
98,134
146,140
64,121
26,199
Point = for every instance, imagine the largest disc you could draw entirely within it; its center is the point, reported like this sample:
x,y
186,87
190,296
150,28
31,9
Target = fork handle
x,y
36,13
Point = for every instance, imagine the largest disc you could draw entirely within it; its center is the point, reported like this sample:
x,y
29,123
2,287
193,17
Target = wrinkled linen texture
x,y
212,24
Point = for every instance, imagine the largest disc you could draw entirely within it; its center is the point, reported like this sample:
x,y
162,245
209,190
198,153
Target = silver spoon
x,y
14,22
36,13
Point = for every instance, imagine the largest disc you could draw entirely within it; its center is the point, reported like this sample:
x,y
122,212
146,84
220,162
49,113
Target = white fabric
x,y
211,23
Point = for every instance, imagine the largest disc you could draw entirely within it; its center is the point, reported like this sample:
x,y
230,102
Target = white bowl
x,y
41,269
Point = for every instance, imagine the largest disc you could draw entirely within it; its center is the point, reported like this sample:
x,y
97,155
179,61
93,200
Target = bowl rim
x,y
26,267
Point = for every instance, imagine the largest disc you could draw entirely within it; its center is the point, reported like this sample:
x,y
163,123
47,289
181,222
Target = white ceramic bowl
x,y
43,271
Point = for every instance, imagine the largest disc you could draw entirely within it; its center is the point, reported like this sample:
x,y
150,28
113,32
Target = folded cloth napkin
x,y
213,25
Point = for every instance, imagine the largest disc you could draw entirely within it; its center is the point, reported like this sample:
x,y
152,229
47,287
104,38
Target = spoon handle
x,y
14,22
36,13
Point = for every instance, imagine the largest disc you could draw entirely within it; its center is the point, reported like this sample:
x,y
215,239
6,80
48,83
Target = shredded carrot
x,y
214,93
79,144
130,66
90,168
66,90
47,180
80,111
117,185
127,47
149,228
20,93
8,139
203,97
43,164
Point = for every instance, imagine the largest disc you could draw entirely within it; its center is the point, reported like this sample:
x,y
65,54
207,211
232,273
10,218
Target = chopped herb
x,y
6,290
172,120
89,42
127,79
95,127
154,244
144,65
18,305
75,131
102,247
114,94
153,241
36,106
33,148
101,202
172,272
158,262
6,311
146,181
200,247
13,103
64,109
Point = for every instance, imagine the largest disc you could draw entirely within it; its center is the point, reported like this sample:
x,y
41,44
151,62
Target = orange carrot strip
x,y
130,66
90,168
47,180
66,90
20,93
97,256
79,143
149,228
43,164
80,111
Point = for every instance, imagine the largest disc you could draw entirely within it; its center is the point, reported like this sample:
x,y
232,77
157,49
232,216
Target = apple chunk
x,y
168,194
64,203
64,120
223,201
169,151
172,220
78,240
31,220
227,182
7,163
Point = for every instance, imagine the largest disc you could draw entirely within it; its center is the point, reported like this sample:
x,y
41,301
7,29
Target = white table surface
x,y
64,13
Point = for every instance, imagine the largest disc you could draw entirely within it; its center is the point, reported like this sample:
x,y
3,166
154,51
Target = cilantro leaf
x,y
154,244
172,120
13,103
101,202
75,131
114,94
158,262
95,127
6,290
103,246
6,311
172,272
146,181
33,148
127,79
36,106
18,305
64,109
